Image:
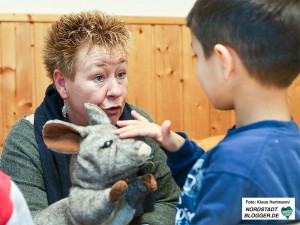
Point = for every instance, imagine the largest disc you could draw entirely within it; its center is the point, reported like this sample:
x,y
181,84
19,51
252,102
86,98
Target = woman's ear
x,y
226,59
60,83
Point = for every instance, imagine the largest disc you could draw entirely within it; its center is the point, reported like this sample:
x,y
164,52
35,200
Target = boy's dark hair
x,y
264,33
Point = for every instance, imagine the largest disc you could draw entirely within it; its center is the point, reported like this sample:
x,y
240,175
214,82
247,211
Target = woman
x,y
85,55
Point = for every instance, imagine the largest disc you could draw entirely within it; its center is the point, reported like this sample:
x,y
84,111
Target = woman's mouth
x,y
112,110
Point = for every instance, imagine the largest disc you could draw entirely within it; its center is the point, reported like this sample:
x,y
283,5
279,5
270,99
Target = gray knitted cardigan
x,y
20,159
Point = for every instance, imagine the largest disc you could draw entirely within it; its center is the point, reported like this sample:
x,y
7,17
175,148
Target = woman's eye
x,y
98,79
107,144
121,75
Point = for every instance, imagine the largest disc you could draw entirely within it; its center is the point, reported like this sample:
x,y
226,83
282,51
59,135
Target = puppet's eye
x,y
107,144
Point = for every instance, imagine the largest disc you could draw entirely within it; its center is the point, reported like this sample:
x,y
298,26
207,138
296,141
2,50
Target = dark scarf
x,y
55,166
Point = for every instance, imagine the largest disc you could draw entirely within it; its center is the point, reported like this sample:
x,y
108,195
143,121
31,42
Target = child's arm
x,y
182,153
163,135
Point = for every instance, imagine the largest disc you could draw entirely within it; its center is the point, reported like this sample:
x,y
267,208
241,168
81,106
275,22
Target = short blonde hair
x,y
74,31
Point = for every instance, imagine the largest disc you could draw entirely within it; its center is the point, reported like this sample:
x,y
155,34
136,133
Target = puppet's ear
x,y
96,114
61,137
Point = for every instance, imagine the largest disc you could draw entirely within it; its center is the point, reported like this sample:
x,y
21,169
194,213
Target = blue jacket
x,y
257,160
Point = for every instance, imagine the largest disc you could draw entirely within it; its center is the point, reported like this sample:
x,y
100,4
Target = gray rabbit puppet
x,y
105,187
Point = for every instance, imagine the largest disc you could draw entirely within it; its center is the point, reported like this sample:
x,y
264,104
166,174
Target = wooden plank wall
x,y
162,74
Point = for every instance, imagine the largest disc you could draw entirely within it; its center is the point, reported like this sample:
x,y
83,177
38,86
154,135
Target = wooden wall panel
x,y
168,74
40,80
8,75
141,89
161,72
17,76
195,104
24,69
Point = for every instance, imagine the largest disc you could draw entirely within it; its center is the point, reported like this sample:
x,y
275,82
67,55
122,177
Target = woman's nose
x,y
113,88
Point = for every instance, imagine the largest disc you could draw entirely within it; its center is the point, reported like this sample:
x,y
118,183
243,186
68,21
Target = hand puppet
x,y
103,168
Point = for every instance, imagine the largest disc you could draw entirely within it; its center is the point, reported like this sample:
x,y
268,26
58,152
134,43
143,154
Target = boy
x,y
247,56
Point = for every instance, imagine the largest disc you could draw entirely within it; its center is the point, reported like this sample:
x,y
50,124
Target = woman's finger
x,y
138,116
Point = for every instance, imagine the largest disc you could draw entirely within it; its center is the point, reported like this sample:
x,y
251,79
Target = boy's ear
x,y
226,58
60,83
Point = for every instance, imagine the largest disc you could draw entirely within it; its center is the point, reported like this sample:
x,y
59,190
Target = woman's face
x,y
101,79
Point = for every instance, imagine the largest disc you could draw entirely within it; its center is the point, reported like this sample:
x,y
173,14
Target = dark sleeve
x,y
167,193
182,161
20,160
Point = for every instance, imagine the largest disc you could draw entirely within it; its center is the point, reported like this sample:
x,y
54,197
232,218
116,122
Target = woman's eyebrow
x,y
104,62
122,60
